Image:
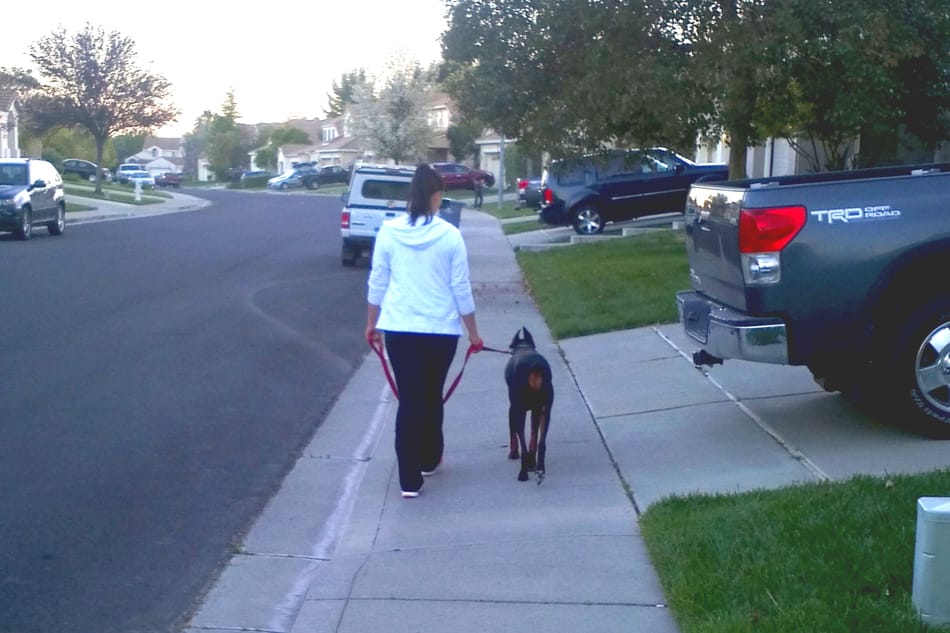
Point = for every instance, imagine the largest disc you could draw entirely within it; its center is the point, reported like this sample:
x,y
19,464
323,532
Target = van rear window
x,y
385,190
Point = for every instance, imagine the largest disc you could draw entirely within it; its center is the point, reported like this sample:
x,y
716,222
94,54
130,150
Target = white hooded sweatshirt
x,y
420,277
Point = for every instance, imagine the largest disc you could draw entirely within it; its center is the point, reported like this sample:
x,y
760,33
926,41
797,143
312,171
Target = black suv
x,y
618,185
31,192
84,169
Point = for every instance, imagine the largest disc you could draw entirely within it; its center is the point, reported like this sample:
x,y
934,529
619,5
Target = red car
x,y
457,176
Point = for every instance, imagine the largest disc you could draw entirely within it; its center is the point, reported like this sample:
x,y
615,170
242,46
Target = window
x,y
329,133
386,190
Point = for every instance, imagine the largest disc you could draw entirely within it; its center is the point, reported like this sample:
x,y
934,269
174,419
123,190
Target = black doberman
x,y
528,375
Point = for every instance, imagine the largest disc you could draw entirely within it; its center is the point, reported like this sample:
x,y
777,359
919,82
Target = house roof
x,y
169,144
7,99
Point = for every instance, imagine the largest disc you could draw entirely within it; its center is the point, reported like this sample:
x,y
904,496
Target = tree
x,y
228,143
462,134
393,123
859,69
342,93
567,77
267,156
92,80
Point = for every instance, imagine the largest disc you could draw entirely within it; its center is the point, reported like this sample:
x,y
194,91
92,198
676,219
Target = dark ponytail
x,y
425,182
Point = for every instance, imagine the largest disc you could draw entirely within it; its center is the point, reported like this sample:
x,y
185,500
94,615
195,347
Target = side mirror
x,y
38,184
679,168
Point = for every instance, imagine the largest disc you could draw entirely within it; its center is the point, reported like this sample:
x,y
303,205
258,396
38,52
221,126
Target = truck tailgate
x,y
712,243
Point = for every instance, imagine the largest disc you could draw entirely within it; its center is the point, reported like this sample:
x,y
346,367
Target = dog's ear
x,y
515,340
527,337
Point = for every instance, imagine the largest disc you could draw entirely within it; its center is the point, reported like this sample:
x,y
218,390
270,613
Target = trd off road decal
x,y
857,214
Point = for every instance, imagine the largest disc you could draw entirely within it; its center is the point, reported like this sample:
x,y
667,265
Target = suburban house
x,y
333,146
9,131
160,155
777,157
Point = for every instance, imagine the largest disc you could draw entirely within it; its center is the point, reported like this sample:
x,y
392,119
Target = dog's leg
x,y
542,444
516,422
513,415
533,443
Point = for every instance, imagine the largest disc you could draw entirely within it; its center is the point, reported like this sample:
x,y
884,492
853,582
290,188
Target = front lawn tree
x,y
393,122
91,79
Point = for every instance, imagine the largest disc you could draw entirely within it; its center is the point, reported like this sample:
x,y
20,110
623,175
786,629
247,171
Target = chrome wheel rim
x,y
932,368
588,221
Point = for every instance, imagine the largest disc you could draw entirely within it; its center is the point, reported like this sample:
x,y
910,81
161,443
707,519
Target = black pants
x,y
479,198
420,365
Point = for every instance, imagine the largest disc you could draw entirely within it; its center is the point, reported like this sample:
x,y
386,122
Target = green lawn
x,y
830,557
115,193
610,285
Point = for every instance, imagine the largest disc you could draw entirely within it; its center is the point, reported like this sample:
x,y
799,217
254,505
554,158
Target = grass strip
x,y
610,285
829,557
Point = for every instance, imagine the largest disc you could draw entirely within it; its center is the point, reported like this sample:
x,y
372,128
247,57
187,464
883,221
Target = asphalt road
x,y
158,377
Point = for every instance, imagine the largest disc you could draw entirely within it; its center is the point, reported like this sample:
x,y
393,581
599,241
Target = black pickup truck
x,y
843,272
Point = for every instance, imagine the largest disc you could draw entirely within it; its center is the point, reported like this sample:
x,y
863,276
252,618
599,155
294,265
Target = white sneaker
x,y
408,494
429,473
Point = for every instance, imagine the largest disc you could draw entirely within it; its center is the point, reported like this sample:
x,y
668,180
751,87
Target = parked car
x,y
170,179
591,191
314,177
121,174
31,192
144,179
458,176
287,180
84,169
529,193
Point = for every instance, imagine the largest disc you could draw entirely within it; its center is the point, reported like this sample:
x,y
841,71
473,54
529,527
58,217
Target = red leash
x,y
455,383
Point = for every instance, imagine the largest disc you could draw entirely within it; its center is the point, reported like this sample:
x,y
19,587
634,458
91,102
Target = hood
x,y
421,235
10,191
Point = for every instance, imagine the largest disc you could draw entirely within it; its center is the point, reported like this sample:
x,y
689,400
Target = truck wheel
x,y
313,184
349,256
588,221
920,368
25,230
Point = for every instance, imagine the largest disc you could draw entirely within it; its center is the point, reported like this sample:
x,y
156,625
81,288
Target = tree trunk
x,y
100,150
738,150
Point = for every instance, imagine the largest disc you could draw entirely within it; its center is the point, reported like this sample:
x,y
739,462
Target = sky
x,y
279,59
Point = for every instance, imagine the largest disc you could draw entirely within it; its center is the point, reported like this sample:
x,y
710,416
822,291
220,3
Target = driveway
x,y
675,429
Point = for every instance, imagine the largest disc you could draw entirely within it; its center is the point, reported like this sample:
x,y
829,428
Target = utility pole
x,y
501,170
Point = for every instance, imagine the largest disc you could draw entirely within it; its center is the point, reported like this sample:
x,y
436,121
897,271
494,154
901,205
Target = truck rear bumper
x,y
726,333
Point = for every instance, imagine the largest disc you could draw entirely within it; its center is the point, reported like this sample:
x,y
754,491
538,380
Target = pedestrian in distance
x,y
479,192
419,295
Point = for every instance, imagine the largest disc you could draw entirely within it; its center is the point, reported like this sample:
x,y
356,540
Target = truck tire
x,y
919,368
588,220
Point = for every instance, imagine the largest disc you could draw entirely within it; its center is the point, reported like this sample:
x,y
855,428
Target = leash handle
x,y
378,348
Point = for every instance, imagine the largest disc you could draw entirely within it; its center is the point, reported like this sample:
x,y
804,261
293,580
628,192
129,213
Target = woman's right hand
x,y
373,336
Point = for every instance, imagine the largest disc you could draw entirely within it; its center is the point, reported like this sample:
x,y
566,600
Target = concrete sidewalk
x,y
338,549
105,210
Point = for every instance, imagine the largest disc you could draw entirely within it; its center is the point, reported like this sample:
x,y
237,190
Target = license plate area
x,y
696,319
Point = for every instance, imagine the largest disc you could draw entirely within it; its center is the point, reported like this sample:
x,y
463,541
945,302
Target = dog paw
x,y
522,476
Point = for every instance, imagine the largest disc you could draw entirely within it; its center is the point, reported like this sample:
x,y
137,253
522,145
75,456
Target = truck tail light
x,y
548,196
763,233
769,229
345,220
522,184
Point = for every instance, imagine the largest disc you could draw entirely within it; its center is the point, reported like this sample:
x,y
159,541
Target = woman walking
x,y
418,291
